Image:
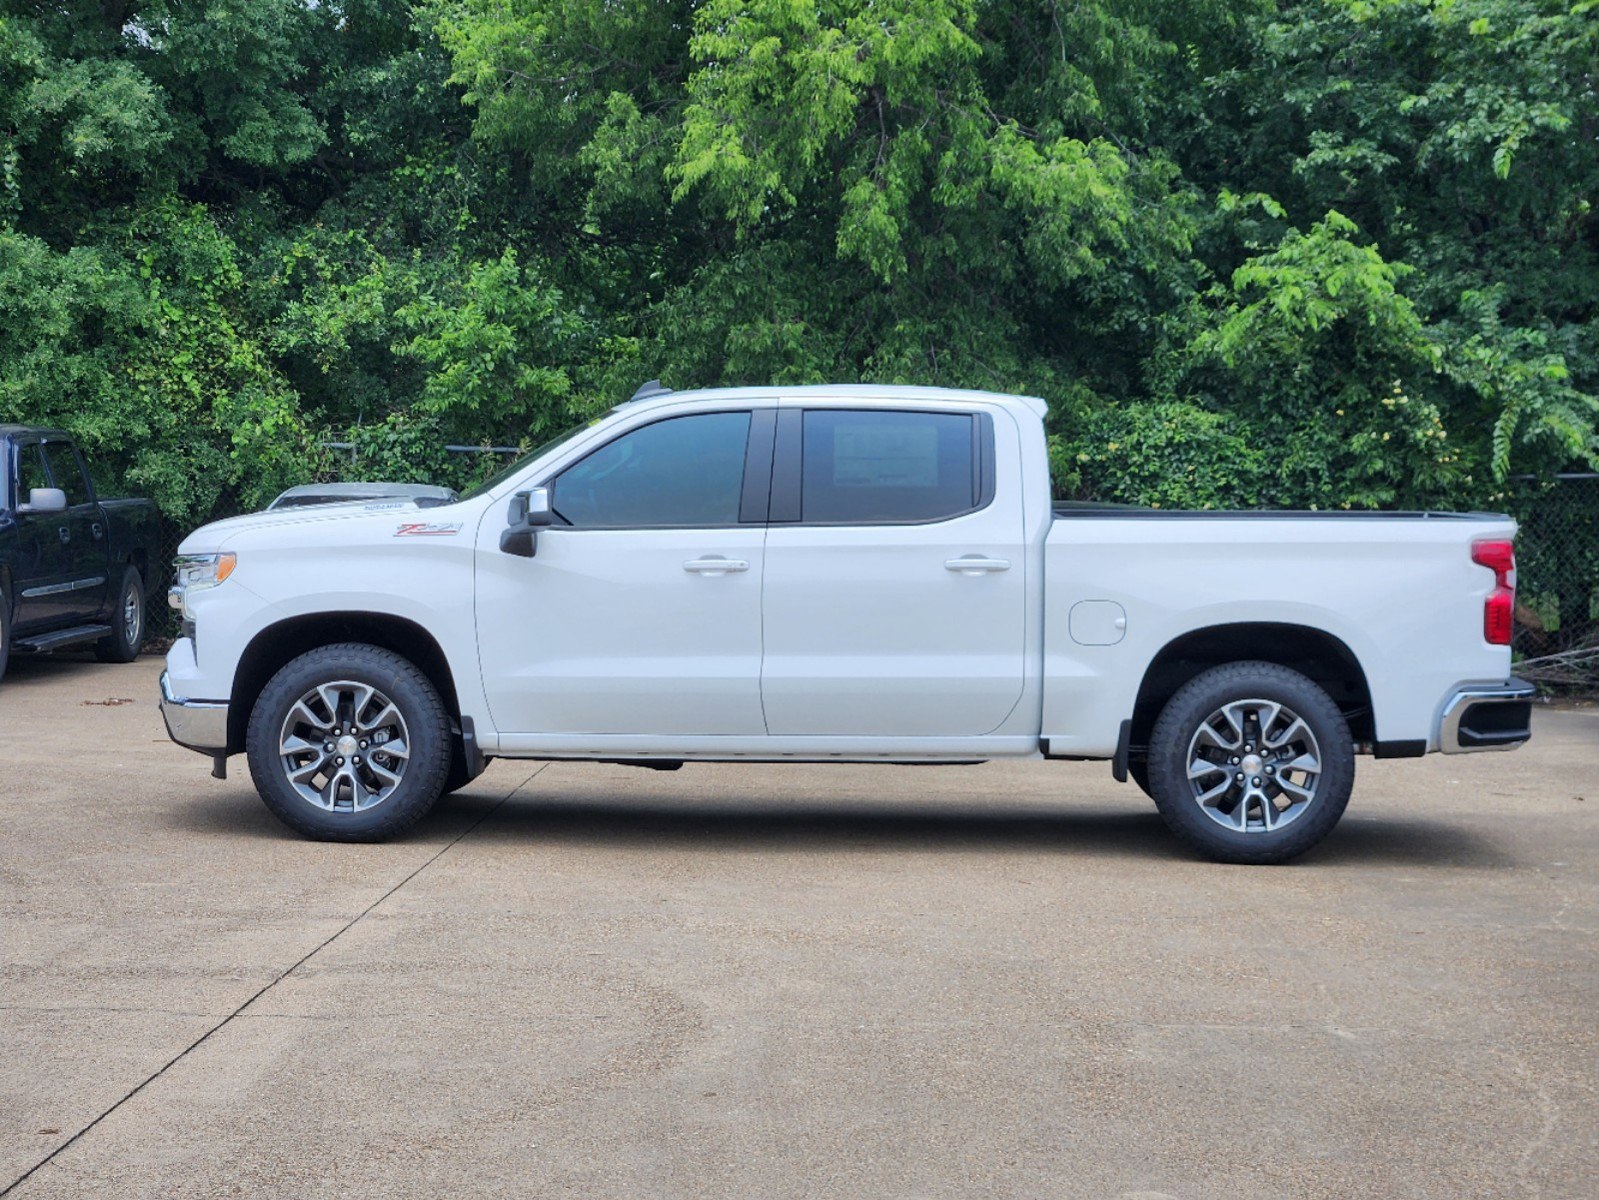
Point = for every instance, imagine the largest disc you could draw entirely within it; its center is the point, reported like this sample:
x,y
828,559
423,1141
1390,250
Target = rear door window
x,y
885,467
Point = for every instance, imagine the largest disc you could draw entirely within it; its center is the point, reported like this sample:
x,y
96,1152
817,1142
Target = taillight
x,y
1499,610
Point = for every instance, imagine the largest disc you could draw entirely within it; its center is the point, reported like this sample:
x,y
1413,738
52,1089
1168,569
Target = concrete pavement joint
x,y
323,945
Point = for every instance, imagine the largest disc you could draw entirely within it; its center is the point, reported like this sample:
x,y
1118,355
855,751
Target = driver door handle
x,y
714,565
976,564
64,534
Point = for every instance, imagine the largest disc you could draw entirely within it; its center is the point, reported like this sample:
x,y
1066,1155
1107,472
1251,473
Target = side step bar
x,y
43,643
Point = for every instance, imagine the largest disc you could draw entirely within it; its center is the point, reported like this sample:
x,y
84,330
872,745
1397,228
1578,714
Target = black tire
x,y
427,727
5,631
128,621
1176,796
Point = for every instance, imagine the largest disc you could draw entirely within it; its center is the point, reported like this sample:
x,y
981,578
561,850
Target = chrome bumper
x,y
194,724
1494,716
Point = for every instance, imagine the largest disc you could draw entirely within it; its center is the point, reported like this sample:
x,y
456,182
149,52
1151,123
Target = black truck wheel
x,y
349,743
126,638
1251,763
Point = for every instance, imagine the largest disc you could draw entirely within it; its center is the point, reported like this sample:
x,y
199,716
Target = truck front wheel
x,y
349,743
1251,763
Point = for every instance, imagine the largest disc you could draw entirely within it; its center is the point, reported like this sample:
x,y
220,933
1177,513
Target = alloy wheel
x,y
344,746
1253,766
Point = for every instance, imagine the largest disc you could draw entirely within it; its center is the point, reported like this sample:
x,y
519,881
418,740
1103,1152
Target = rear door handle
x,y
976,564
97,531
715,565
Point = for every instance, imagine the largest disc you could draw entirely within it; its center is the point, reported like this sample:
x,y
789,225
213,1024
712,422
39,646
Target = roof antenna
x,y
652,388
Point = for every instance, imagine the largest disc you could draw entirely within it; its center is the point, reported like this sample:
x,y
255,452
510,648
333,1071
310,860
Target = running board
x,y
45,642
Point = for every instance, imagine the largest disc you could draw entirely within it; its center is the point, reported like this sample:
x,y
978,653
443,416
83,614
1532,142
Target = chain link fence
x,y
1557,570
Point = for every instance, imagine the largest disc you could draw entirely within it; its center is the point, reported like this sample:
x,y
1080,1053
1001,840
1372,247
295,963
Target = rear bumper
x,y
200,725
1487,717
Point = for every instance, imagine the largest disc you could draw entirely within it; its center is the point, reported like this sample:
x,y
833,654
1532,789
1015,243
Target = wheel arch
x,y
275,646
1320,656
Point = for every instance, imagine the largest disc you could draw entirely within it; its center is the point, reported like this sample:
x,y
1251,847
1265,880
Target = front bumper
x,y
195,724
1494,716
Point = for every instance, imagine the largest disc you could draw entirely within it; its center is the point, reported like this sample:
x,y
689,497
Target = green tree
x,y
1330,253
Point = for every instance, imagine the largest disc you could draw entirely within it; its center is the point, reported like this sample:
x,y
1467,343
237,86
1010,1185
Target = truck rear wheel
x,y
1251,763
349,743
126,638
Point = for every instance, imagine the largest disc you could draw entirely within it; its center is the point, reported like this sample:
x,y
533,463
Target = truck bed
x,y
1123,584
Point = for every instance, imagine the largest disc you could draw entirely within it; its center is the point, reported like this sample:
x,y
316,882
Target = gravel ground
x,y
580,980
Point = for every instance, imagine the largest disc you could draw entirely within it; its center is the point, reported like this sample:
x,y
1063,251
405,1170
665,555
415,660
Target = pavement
x,y
783,981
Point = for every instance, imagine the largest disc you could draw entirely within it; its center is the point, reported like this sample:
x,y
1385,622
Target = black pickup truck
x,y
73,567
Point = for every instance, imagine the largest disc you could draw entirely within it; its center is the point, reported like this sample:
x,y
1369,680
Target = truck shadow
x,y
751,825
756,825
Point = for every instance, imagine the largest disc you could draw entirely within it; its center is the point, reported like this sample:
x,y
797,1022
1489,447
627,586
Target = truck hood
x,y
216,535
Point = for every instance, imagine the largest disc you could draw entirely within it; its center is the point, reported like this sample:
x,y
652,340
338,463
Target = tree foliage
x,y
1339,253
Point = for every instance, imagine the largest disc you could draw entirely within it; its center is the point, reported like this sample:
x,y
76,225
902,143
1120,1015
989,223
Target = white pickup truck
x,y
860,574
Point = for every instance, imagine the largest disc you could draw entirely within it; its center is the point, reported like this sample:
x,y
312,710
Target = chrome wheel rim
x,y
344,746
1254,766
131,616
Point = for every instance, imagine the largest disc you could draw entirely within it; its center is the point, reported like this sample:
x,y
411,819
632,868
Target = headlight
x,y
195,573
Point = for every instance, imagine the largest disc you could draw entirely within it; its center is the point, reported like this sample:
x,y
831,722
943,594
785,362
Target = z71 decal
x,y
428,529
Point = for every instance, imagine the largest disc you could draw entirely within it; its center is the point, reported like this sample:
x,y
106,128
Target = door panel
x,y
901,625
84,557
642,615
606,631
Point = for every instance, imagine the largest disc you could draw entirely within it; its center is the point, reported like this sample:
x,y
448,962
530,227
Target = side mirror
x,y
529,511
44,500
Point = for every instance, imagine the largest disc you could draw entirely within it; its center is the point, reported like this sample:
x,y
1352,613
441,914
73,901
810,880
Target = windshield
x,y
504,473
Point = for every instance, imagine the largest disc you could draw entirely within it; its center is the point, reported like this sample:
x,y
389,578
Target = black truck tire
x,y
349,743
126,639
1251,763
